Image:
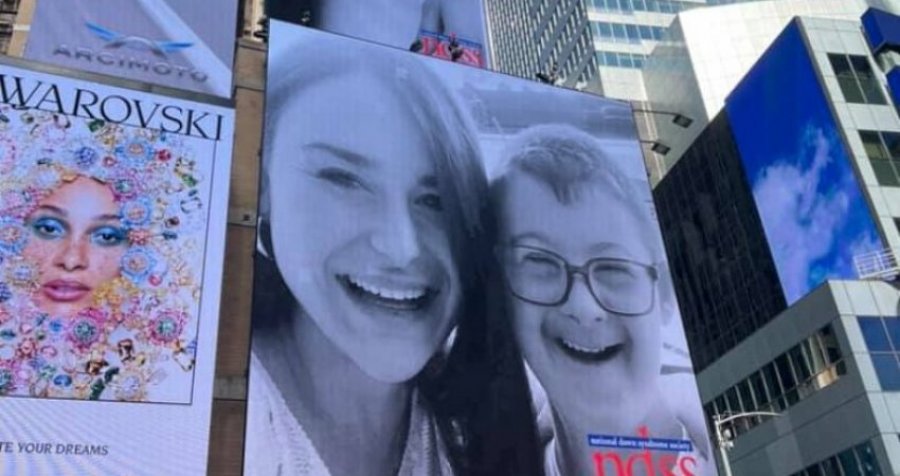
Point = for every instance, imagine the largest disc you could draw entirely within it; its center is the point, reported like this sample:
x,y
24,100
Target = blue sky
x,y
813,212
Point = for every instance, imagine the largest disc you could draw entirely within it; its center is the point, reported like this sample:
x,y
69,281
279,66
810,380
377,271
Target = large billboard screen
x,y
454,30
185,44
458,272
815,216
112,218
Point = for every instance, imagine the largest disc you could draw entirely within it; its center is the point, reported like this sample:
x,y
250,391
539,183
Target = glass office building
x,y
606,39
782,223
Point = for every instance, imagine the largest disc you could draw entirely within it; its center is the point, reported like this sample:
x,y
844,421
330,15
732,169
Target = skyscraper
x,y
542,36
602,43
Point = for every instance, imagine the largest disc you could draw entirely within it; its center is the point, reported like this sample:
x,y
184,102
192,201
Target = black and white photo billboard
x,y
457,272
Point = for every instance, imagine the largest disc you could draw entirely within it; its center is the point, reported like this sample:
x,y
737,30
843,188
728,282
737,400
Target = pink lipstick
x,y
60,290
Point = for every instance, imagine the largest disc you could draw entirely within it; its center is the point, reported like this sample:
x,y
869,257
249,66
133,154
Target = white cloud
x,y
803,217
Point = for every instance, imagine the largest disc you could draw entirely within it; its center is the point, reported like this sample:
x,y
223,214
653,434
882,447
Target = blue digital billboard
x,y
812,209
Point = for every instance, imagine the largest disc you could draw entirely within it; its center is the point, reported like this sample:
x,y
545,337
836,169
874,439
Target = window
x,y
883,151
801,371
856,79
888,370
856,461
646,33
874,334
619,31
605,30
882,337
867,80
633,35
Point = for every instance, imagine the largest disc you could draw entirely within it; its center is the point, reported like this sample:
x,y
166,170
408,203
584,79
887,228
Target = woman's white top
x,y
276,444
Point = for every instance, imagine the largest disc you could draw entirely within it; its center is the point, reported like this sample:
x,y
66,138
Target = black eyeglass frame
x,y
572,270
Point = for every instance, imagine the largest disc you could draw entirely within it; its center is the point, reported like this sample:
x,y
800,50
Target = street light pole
x,y
724,443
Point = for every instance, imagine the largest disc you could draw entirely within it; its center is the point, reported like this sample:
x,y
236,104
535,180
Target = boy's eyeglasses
x,y
542,277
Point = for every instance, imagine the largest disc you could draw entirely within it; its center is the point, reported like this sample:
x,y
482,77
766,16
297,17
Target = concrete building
x,y
785,309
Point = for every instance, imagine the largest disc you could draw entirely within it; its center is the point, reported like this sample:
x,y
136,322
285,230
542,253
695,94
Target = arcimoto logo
x,y
117,40
115,53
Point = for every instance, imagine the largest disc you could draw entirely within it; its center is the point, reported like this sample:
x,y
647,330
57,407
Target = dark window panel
x,y
893,329
849,463
866,456
759,388
846,78
874,334
874,147
814,470
867,80
734,405
892,142
830,467
746,398
800,364
888,370
784,372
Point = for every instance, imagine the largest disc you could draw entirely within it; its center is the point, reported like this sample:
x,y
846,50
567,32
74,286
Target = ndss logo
x,y
117,48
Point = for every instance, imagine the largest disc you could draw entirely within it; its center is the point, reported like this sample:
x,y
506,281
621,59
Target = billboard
x,y
112,218
457,272
454,30
174,43
814,214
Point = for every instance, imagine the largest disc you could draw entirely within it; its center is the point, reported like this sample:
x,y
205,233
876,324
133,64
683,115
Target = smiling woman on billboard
x,y
371,327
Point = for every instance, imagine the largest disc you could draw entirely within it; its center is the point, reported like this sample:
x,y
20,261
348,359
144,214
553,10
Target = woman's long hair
x,y
478,391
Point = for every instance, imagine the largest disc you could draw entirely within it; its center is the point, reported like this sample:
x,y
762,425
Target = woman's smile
x,y
388,293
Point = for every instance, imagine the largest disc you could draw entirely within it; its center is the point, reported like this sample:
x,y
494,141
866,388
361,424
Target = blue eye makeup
x,y
109,236
49,228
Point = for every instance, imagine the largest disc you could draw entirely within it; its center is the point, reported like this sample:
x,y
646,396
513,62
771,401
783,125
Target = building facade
x,y
532,36
528,38
782,223
706,53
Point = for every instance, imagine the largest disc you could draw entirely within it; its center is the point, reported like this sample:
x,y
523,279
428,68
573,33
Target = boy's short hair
x,y
570,162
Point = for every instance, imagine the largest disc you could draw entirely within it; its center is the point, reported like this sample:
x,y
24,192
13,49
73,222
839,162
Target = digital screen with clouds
x,y
812,209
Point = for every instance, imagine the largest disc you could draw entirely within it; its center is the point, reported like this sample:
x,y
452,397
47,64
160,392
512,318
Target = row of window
x,y
857,461
658,6
627,33
883,150
629,6
856,79
882,336
620,60
809,366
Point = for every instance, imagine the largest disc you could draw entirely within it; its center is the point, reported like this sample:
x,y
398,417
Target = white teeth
x,y
582,349
407,294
